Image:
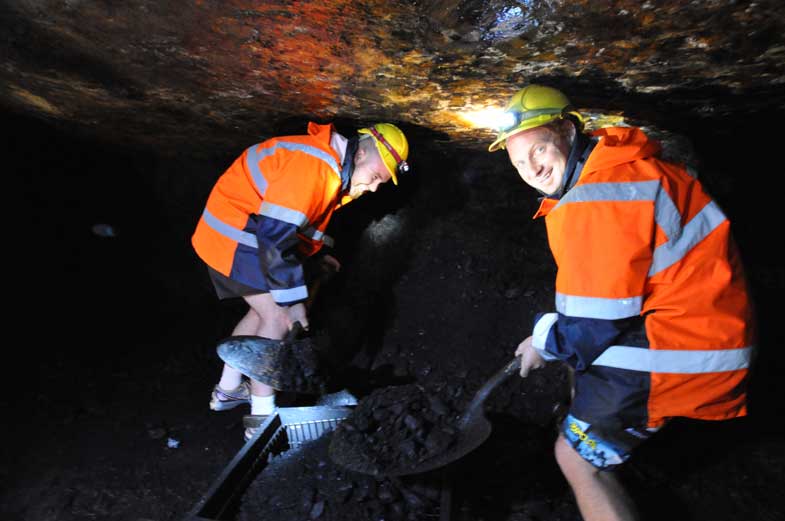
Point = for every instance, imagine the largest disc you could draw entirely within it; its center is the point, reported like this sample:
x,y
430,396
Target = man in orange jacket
x,y
652,312
268,212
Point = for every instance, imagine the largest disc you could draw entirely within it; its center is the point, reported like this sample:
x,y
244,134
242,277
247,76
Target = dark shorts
x,y
603,448
227,288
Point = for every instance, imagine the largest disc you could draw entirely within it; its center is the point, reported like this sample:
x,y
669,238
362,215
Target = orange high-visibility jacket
x,y
638,237
274,201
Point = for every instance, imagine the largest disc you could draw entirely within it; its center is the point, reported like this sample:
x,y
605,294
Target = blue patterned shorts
x,y
603,449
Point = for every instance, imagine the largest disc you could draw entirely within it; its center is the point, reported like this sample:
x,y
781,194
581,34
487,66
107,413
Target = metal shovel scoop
x,y
473,429
292,364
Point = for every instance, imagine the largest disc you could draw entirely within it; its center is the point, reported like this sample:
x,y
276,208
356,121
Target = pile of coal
x,y
302,366
398,428
304,484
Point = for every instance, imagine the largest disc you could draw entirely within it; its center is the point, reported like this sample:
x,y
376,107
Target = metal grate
x,y
288,429
308,430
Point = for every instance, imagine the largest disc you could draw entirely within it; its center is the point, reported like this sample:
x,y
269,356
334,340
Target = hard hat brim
x,y
501,139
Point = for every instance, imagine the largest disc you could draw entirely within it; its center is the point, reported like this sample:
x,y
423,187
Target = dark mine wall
x,y
63,184
118,332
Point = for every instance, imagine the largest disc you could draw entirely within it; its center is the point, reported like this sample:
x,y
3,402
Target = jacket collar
x,y
346,149
582,147
347,168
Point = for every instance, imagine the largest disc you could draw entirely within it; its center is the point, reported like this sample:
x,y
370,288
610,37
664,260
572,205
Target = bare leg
x,y
248,325
599,494
274,323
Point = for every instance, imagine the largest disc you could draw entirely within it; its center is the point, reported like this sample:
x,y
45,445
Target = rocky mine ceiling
x,y
212,72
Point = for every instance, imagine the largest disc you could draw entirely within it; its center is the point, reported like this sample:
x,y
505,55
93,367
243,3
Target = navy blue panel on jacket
x,y
610,398
278,255
579,341
607,397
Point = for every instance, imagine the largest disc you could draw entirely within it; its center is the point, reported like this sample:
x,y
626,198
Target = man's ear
x,y
360,154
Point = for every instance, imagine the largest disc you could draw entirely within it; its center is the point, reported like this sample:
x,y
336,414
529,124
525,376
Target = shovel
x,y
473,429
291,365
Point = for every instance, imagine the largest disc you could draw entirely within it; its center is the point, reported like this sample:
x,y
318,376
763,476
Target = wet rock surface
x,y
210,74
398,428
304,483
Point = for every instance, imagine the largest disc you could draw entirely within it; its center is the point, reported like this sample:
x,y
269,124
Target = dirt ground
x,y
113,357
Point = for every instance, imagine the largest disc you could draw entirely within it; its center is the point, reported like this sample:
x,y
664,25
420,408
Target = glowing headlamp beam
x,y
493,118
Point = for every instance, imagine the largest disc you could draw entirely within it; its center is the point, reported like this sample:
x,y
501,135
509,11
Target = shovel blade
x,y
285,365
256,357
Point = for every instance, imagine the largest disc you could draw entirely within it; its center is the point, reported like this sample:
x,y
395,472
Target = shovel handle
x,y
297,328
294,332
313,288
510,368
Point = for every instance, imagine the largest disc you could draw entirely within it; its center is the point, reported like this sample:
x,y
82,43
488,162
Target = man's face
x,y
540,157
369,173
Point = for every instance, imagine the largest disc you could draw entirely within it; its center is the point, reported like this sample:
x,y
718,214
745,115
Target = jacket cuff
x,y
290,295
542,328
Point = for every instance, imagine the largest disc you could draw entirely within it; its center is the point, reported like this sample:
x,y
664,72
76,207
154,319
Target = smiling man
x,y
540,156
266,214
652,312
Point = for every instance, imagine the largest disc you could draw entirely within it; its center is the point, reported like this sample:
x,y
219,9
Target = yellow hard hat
x,y
392,147
533,106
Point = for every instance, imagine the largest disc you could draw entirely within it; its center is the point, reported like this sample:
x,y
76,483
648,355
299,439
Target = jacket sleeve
x,y
313,239
579,341
283,270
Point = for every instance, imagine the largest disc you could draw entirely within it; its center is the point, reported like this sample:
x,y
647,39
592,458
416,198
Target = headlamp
x,y
514,118
508,121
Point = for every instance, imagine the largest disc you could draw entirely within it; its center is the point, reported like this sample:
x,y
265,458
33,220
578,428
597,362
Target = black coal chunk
x,y
398,428
300,366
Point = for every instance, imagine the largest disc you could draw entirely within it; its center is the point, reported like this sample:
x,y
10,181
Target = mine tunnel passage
x,y
441,280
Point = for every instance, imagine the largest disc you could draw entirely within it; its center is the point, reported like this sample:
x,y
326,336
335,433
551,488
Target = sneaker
x,y
223,400
252,424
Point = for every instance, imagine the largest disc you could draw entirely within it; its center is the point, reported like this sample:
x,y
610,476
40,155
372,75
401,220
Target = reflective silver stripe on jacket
x,y
596,307
229,231
252,159
289,295
540,335
249,239
699,227
283,213
675,361
627,191
681,240
313,233
255,155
